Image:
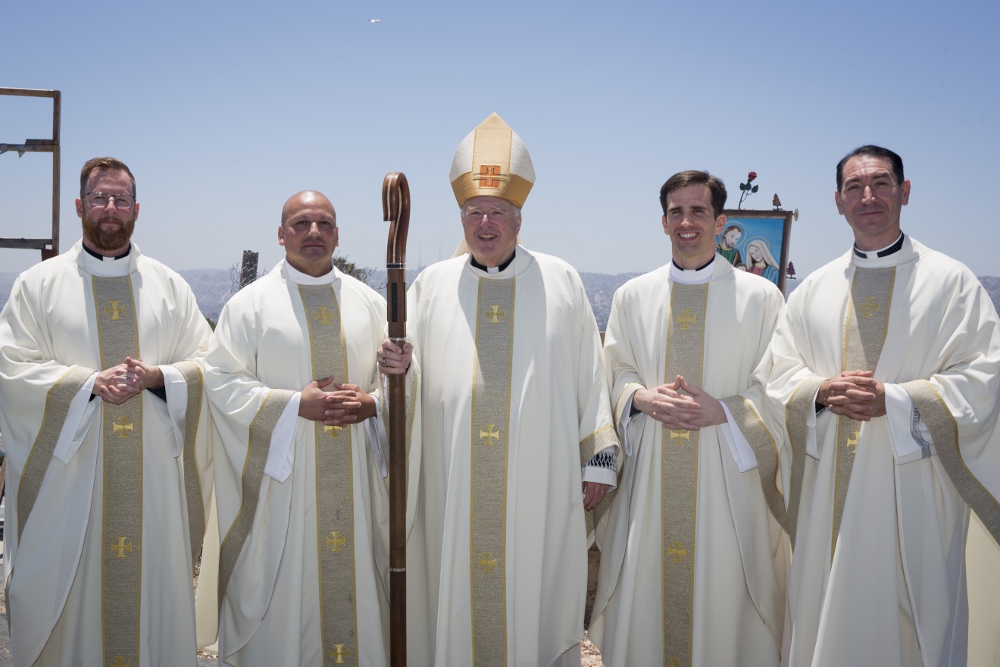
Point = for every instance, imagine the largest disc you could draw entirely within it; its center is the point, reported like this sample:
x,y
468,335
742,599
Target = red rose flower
x,y
752,175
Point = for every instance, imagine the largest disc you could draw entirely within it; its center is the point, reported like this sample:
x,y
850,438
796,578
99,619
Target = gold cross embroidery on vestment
x,y
486,562
114,309
121,547
336,540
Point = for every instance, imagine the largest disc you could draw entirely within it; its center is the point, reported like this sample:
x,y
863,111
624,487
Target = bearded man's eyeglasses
x,y
101,199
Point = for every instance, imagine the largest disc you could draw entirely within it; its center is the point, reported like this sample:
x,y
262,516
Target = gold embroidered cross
x,y
852,442
119,661
322,315
121,427
335,541
115,310
486,562
122,546
338,653
686,320
490,434
678,553
674,662
677,436
868,306
333,431
495,313
489,176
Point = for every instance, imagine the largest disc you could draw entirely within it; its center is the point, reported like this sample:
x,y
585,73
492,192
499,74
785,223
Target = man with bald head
x,y
292,379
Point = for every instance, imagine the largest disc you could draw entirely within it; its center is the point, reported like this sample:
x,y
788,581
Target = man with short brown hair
x,y
693,553
885,367
106,432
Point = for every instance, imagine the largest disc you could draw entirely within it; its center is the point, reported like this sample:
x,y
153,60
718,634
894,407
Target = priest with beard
x,y
107,436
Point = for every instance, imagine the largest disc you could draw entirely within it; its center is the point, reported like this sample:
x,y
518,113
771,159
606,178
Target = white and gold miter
x,y
492,161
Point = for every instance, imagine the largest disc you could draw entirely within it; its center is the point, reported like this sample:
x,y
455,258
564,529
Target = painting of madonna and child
x,y
757,242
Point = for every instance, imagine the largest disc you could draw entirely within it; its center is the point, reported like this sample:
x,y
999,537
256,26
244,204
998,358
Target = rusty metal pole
x,y
396,208
56,121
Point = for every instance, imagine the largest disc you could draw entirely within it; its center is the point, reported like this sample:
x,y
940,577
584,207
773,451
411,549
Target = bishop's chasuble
x,y
694,556
106,504
303,508
515,402
878,511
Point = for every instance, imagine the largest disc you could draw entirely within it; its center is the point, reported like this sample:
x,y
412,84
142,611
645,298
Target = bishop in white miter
x,y
885,369
694,551
109,465
516,431
301,467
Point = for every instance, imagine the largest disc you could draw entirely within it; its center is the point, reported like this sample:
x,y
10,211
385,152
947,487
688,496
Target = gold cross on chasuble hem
x,y
333,448
489,440
864,335
121,453
685,351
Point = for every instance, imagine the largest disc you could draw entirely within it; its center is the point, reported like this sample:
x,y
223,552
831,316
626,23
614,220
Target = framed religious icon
x,y
757,242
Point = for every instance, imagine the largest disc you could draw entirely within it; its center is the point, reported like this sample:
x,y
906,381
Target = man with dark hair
x,y
106,431
693,553
885,368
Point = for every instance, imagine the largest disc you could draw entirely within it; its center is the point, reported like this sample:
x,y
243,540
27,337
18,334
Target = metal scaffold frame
x,y
49,246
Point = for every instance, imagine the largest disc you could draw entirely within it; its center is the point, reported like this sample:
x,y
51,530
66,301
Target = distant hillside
x,y
212,288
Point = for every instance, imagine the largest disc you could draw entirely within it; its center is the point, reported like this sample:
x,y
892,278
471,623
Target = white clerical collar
x,y
107,267
697,276
300,278
893,247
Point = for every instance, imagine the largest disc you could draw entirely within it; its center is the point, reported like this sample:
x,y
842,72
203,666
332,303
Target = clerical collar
x,y
492,269
692,276
896,246
300,278
99,256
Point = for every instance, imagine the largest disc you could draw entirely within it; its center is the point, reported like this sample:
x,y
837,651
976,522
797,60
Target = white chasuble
x,y
106,504
878,574
694,555
303,561
514,403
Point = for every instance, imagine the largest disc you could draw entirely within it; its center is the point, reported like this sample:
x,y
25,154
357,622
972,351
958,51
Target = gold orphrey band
x,y
490,440
334,485
121,560
679,477
864,335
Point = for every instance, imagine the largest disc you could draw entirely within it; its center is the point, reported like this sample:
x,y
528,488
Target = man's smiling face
x,y
491,225
692,225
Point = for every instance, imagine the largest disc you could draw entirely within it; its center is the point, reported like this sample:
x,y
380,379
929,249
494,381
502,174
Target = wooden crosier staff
x,y
396,208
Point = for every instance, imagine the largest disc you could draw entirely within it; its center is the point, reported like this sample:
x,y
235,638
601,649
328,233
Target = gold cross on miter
x,y
489,434
121,427
322,315
686,320
336,540
676,437
338,653
869,305
121,547
115,310
495,313
119,661
852,442
486,562
677,553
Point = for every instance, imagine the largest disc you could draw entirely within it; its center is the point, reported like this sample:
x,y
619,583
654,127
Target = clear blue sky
x,y
224,109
